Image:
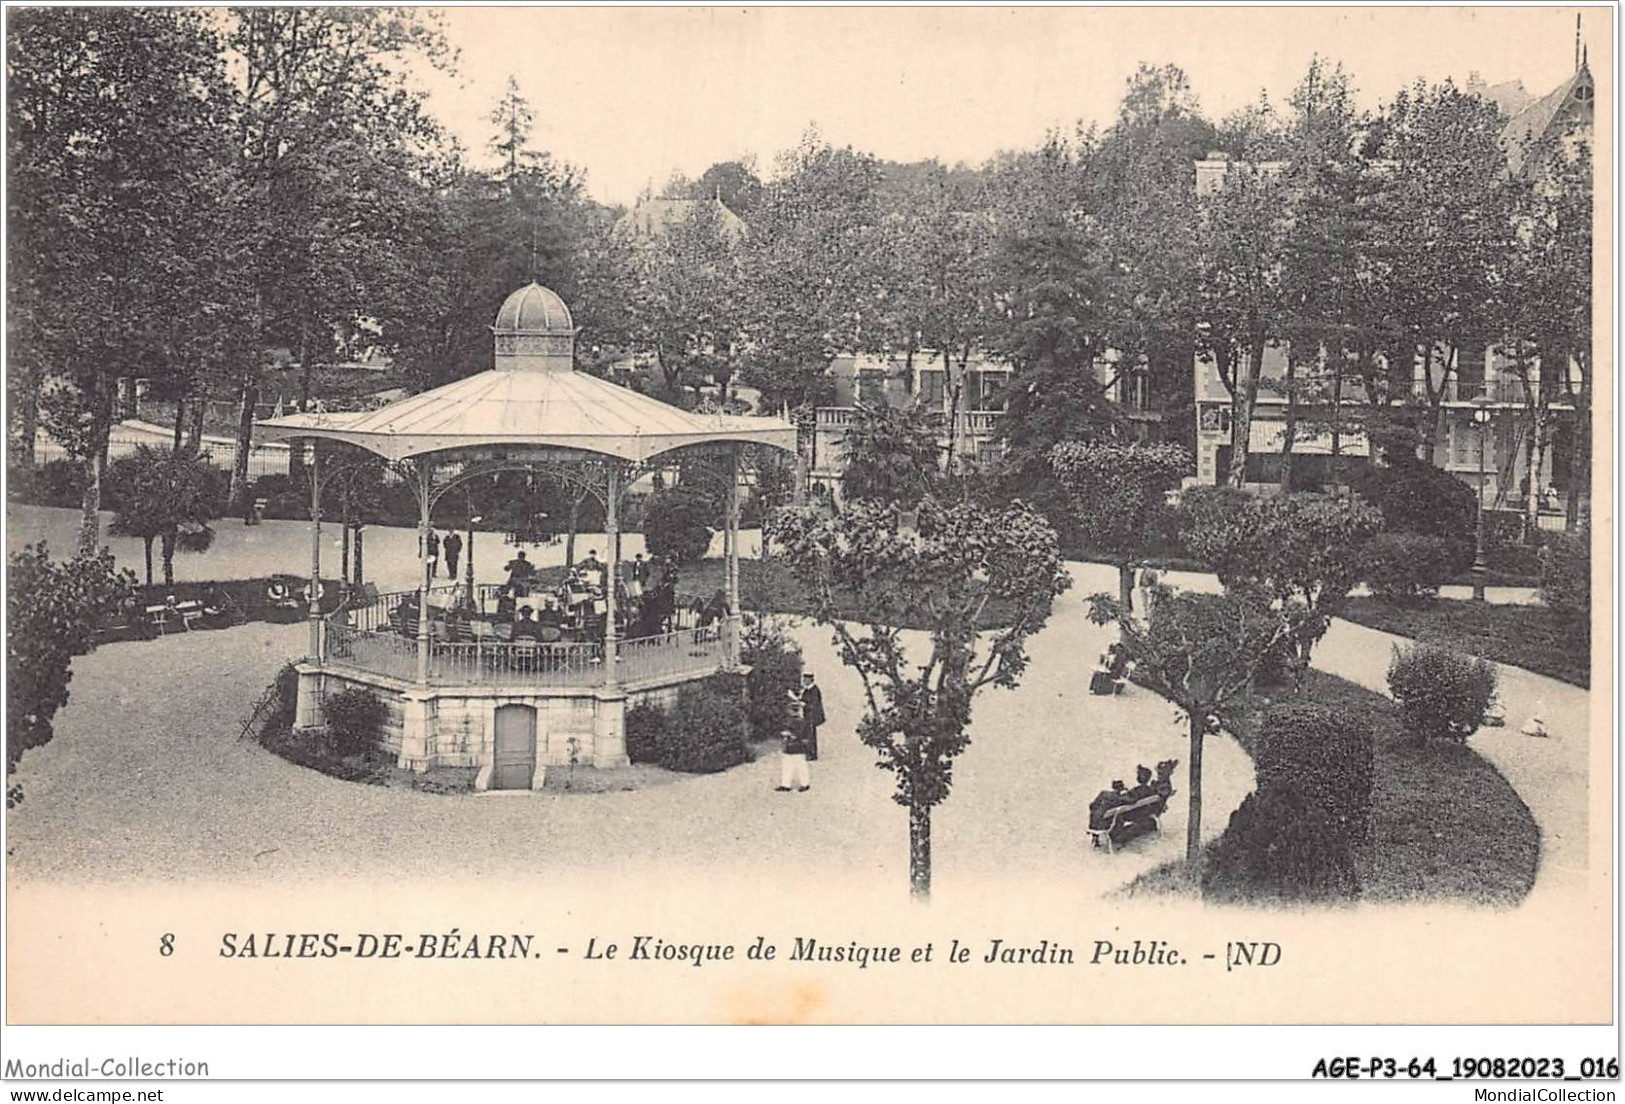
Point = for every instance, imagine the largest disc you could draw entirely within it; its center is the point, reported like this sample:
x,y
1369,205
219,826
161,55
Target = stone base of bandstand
x,y
452,726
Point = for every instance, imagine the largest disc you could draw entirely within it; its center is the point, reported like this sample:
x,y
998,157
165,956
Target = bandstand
x,y
470,698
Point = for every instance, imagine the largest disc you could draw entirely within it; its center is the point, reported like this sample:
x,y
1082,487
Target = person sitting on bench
x,y
1105,801
277,593
1142,784
1163,784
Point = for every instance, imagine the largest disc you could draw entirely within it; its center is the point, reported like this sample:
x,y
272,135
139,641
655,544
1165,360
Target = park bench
x,y
1122,823
163,616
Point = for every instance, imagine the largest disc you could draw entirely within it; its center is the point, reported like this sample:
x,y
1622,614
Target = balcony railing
x,y
370,639
977,423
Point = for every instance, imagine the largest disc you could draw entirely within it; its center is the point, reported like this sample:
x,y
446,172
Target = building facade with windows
x,y
1518,452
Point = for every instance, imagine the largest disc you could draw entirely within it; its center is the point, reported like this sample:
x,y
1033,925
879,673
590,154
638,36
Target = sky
x,y
633,95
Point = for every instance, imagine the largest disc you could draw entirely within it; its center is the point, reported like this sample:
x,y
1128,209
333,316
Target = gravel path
x,y
1549,773
147,781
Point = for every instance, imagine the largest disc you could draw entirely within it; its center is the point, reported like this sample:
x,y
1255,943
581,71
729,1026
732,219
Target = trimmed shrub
x,y
1565,576
355,721
775,670
1416,497
706,734
1441,694
1408,569
1324,754
677,523
1280,844
645,733
54,483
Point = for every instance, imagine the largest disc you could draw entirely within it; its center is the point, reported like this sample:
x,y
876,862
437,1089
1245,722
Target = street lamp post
x,y
1481,422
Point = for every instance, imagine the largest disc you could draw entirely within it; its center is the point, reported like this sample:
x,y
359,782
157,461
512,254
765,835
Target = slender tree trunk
x,y
1193,825
28,416
147,541
169,559
95,464
1125,590
194,431
360,532
570,537
1337,419
296,454
1242,401
919,852
249,398
180,423
1289,429
1538,440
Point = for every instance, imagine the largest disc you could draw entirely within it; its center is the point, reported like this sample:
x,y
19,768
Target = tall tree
x,y
815,271
1118,493
324,112
1138,179
955,570
1240,244
1449,209
114,129
1200,651
165,495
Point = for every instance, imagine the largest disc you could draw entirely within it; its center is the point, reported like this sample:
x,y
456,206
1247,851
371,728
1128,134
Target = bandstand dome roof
x,y
515,407
534,309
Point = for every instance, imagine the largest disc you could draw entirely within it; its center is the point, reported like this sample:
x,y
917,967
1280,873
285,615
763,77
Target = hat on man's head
x,y
806,676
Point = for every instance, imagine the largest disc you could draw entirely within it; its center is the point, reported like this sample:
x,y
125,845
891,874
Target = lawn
x,y
1445,826
1531,637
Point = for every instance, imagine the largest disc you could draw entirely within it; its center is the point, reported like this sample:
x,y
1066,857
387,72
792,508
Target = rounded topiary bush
x,y
1407,569
706,732
1326,756
1441,694
645,732
1279,844
1416,497
355,721
1565,575
677,524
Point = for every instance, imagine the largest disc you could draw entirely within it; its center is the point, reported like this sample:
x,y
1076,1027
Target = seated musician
x,y
592,569
550,615
506,604
406,617
526,628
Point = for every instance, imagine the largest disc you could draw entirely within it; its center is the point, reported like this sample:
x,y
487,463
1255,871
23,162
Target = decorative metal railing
x,y
686,651
377,638
518,662
385,653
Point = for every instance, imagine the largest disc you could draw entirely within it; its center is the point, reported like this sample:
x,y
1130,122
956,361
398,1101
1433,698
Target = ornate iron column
x,y
612,524
315,610
731,558
424,503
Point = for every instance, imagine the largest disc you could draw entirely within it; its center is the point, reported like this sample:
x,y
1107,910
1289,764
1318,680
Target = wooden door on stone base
x,y
513,761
